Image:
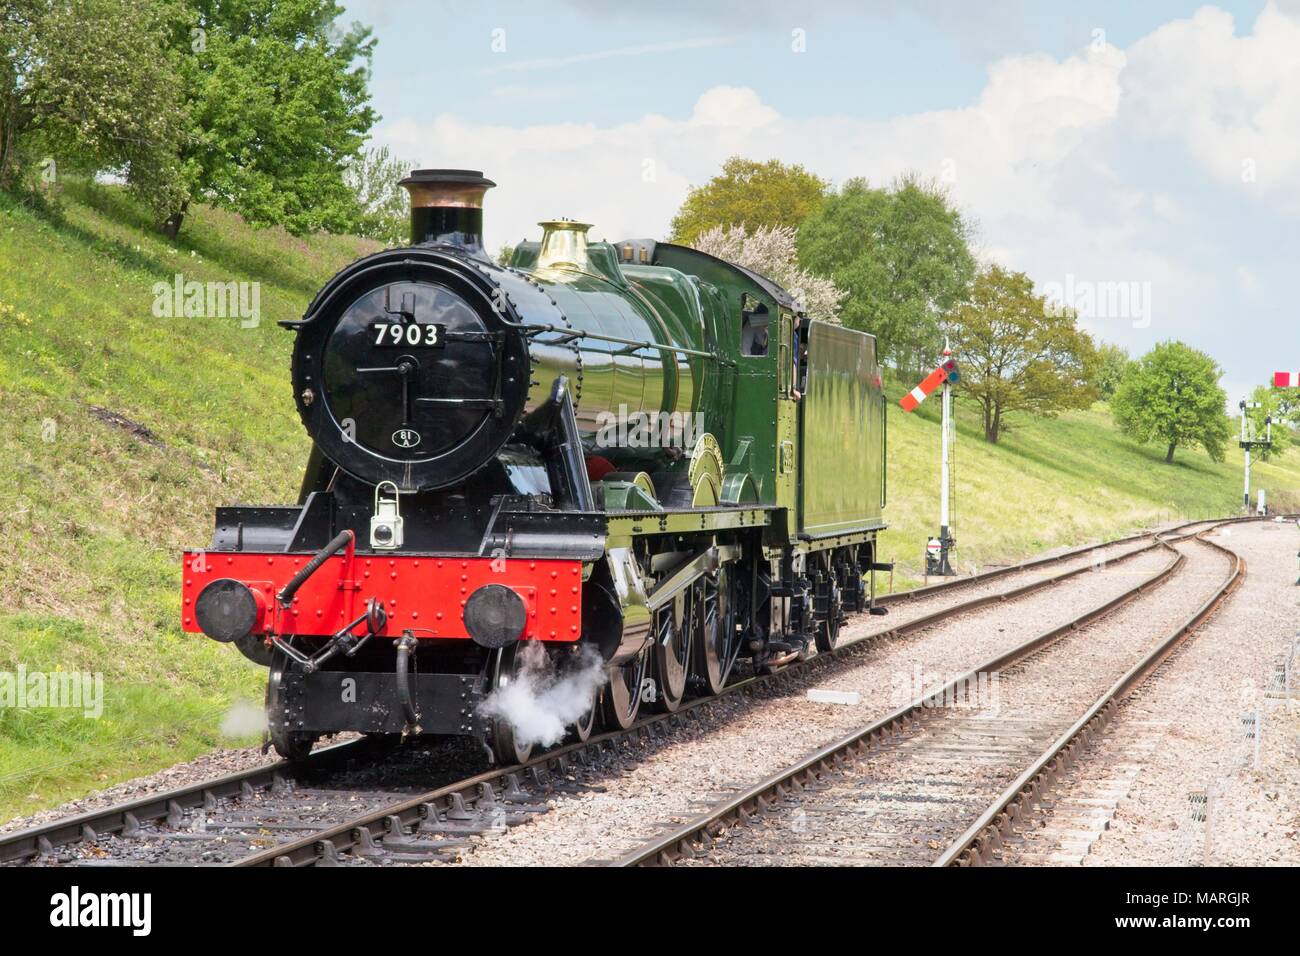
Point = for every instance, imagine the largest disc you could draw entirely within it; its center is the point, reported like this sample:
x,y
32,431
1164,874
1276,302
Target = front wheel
x,y
507,748
288,741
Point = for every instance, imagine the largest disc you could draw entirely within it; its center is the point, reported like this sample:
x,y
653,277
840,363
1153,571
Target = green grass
x,y
1050,482
92,517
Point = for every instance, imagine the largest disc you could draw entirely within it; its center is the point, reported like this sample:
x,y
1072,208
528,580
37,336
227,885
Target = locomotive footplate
x,y
368,702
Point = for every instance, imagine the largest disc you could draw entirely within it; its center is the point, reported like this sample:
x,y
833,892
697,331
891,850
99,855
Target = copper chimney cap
x,y
430,188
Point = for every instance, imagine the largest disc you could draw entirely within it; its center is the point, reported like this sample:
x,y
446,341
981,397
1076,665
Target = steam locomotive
x,y
633,450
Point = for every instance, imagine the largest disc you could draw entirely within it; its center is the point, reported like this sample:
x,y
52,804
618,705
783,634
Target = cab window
x,y
753,327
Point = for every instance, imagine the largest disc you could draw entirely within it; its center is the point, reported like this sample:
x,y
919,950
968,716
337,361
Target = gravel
x,y
1184,733
906,802
959,592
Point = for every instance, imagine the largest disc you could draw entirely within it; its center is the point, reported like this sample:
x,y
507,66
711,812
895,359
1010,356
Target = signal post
x,y
1249,441
945,376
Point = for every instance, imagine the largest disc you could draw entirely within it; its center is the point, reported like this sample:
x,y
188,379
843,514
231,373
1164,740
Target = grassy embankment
x,y
93,512
1050,482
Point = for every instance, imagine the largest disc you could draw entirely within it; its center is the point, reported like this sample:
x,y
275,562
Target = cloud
x,y
1232,103
1108,165
1003,154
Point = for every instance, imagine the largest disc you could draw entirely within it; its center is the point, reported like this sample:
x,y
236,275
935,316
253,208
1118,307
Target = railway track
x,y
1063,828
928,784
340,805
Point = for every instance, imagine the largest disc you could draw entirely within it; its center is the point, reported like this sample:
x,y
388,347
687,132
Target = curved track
x,y
929,814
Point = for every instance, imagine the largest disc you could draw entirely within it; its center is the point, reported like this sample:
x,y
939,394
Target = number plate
x,y
408,335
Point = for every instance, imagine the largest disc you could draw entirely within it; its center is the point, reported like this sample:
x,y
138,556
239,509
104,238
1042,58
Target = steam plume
x,y
541,703
244,719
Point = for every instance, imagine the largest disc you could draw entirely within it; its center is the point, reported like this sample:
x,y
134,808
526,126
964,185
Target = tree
x,y
751,195
902,256
771,252
382,212
1016,353
89,86
1112,364
278,108
1172,396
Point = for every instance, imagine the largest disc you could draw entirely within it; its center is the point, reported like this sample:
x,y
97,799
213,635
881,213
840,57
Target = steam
x,y
541,703
244,719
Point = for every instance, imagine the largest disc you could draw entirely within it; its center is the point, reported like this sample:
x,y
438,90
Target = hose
x,y
337,544
404,648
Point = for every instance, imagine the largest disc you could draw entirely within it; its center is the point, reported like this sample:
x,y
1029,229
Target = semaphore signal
x,y
1249,440
944,376
945,373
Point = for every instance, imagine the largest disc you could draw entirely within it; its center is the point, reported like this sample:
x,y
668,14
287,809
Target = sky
x,y
1139,161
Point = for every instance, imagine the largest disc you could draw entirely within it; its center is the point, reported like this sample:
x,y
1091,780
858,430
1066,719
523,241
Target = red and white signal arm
x,y
1286,379
947,372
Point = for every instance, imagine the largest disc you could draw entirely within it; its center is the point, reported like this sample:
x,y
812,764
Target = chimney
x,y
447,207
